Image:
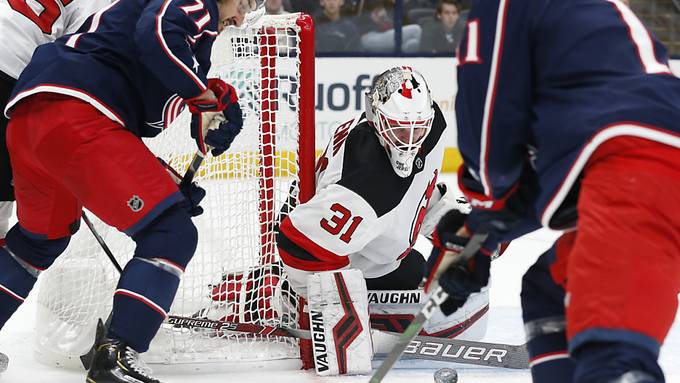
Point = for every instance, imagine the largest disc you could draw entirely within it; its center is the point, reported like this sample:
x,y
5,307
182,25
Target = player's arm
x,y
163,36
493,105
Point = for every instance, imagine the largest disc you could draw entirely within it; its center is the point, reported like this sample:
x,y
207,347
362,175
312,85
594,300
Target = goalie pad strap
x,y
338,312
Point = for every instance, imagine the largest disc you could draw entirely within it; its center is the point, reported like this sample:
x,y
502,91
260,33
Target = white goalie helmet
x,y
400,108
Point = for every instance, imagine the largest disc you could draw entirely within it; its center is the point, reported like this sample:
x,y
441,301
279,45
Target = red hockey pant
x,y
623,268
66,154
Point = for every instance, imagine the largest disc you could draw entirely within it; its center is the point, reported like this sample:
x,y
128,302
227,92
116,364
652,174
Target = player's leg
x,y
47,214
624,269
544,317
407,276
112,173
6,190
135,194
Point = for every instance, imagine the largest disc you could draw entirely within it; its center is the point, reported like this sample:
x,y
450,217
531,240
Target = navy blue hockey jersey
x,y
135,61
546,82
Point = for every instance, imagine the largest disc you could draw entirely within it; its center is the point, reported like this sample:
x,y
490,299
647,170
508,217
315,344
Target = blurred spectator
x,y
310,7
334,33
440,35
275,7
378,30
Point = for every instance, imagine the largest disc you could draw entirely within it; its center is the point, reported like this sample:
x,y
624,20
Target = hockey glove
x,y
225,95
193,194
508,217
443,200
215,123
459,280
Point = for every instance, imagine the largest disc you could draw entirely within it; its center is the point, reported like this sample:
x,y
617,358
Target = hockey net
x,y
235,274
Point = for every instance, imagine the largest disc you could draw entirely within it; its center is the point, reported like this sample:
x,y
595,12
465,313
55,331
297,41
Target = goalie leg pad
x,y
393,311
338,312
149,281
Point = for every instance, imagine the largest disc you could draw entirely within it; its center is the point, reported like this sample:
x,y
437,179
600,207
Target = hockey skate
x,y
116,362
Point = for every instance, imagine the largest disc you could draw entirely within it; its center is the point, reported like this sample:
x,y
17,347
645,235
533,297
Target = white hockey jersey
x,y
363,213
25,24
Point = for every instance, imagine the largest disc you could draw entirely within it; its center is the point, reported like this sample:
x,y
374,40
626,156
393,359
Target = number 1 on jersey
x,y
338,221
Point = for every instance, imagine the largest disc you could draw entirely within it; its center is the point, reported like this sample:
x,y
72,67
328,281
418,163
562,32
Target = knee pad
x,y
36,251
171,237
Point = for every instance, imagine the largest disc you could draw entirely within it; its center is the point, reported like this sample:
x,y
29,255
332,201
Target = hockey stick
x,y
437,297
468,352
194,165
421,347
246,328
103,244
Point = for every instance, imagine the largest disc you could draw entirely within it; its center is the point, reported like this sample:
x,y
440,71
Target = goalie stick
x,y
421,347
437,297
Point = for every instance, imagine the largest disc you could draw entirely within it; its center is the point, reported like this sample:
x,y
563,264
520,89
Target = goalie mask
x,y
399,107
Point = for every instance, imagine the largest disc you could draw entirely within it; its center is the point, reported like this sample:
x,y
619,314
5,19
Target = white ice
x,y
16,340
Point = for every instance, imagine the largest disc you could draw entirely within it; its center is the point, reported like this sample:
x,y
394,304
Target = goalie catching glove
x,y
459,280
217,121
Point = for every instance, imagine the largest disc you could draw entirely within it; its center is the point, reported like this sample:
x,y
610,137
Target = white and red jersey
x,y
25,24
363,213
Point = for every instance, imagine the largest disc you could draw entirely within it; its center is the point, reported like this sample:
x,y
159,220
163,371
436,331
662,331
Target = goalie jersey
x,y
134,60
27,24
363,213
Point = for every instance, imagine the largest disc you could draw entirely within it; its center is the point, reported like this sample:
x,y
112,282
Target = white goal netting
x,y
234,275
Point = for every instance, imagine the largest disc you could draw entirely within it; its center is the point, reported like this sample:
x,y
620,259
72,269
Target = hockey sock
x,y
545,324
141,303
149,281
21,261
548,356
15,284
616,362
